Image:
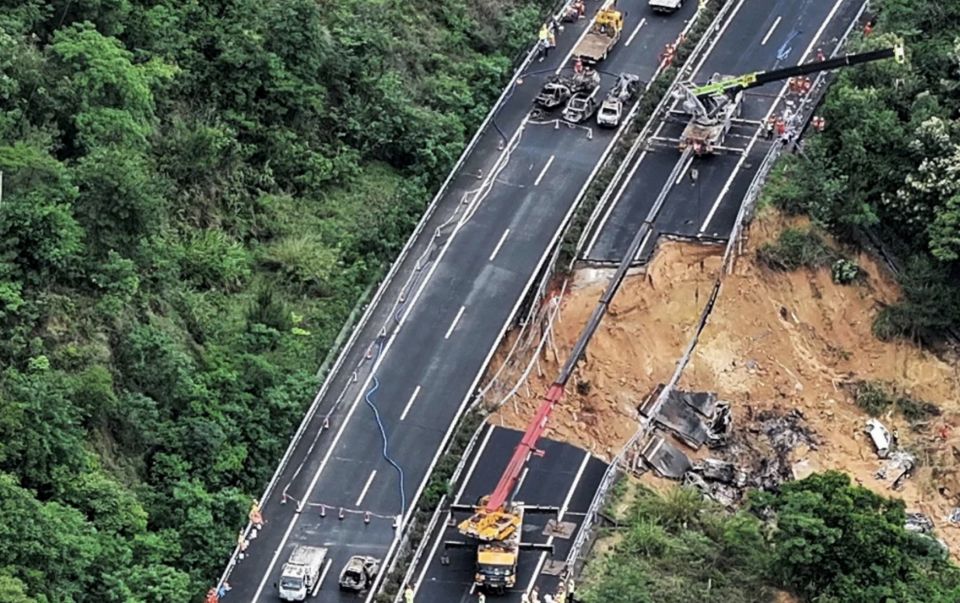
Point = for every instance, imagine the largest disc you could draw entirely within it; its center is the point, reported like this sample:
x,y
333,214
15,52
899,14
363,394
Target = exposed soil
x,y
775,340
793,339
636,347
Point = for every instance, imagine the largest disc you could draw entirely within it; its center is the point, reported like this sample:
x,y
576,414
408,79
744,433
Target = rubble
x,y
665,458
768,332
743,464
695,418
900,466
918,523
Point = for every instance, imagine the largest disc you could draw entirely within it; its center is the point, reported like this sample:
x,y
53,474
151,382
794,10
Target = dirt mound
x,y
775,340
795,339
648,325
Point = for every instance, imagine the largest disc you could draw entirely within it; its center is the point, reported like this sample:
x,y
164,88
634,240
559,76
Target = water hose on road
x,y
374,386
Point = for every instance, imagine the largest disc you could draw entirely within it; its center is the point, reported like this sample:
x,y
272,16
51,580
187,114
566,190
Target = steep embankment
x,y
775,340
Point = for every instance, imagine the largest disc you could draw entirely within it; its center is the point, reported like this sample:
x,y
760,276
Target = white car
x,y
665,6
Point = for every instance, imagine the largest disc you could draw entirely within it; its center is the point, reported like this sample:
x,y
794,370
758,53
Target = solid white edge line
x,y
496,249
683,172
516,306
773,106
709,49
456,499
366,487
624,184
369,379
376,364
770,33
643,244
563,510
453,325
544,170
583,35
473,465
635,31
323,576
406,409
523,476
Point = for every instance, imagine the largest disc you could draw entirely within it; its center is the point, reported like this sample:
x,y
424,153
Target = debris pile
x,y
757,456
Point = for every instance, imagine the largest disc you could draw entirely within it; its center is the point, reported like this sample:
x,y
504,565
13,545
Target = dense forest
x,y
886,171
195,195
821,538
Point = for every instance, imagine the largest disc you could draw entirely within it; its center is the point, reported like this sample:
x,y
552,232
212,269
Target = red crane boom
x,y
523,451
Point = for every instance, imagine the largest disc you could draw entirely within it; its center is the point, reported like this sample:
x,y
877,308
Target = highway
x,y
565,477
759,35
433,328
756,34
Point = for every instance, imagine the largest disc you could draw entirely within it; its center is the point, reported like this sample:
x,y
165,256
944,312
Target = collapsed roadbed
x,y
788,354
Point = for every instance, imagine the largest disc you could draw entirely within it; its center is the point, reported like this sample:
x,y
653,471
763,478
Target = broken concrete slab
x,y
684,421
665,458
646,405
705,403
559,529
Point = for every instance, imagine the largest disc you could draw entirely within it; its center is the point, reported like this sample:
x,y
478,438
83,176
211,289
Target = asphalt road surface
x,y
759,35
723,181
565,477
435,327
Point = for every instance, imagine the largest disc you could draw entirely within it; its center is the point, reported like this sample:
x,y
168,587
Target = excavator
x,y
715,106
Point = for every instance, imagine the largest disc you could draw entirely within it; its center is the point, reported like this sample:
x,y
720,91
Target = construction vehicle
x,y
301,573
602,37
359,573
497,538
559,88
623,92
715,106
665,6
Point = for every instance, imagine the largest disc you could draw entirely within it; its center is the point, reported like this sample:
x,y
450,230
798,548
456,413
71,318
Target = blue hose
x,y
383,434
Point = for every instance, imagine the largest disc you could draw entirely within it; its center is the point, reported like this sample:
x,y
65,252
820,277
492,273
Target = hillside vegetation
x,y
887,168
821,538
195,195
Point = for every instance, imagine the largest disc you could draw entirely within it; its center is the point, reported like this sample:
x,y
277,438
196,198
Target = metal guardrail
x,y
684,71
544,281
588,528
381,290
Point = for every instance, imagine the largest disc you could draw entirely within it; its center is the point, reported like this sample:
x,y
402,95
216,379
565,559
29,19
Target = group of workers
x,y
255,515
548,39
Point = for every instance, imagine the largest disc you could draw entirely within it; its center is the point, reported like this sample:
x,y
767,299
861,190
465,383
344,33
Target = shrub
x,y
795,248
872,397
845,271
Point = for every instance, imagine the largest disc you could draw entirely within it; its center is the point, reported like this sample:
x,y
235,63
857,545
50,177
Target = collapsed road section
x,y
359,462
497,521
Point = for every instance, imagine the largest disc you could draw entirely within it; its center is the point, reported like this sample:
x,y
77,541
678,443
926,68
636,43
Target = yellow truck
x,y
496,537
602,37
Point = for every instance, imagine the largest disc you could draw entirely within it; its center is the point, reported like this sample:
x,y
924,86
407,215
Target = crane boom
x,y
759,78
528,443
